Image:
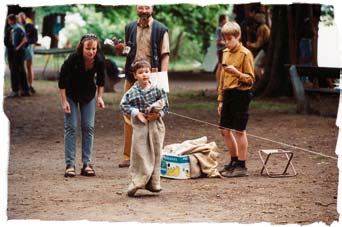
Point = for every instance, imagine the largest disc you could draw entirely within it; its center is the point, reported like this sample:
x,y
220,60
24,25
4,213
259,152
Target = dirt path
x,y
38,190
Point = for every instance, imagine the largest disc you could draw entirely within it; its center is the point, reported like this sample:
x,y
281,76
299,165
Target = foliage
x,y
118,14
195,24
95,22
198,22
41,12
47,10
327,14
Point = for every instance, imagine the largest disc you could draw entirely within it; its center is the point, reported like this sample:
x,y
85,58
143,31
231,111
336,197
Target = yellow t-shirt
x,y
242,59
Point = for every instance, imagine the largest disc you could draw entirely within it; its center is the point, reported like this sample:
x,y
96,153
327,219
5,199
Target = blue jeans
x,y
70,131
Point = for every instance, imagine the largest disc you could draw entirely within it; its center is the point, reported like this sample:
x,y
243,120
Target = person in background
x,y
81,85
32,38
15,40
234,96
56,28
111,75
249,27
260,46
220,44
145,104
148,39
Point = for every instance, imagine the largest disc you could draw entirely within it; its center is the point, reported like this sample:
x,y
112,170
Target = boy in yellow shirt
x,y
234,96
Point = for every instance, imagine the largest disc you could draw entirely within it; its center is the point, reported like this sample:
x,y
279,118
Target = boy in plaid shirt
x,y
146,104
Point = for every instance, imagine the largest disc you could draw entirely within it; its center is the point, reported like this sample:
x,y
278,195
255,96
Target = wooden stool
x,y
269,153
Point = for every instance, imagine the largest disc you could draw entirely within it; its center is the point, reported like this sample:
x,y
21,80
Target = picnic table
x,y
298,71
51,53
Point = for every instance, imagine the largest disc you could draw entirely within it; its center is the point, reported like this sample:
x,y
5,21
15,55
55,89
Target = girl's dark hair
x,y
140,63
86,37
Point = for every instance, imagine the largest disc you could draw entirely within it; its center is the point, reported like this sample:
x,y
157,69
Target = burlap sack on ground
x,y
203,156
147,142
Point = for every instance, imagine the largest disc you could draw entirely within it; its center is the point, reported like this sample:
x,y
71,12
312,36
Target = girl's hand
x,y
100,103
152,116
219,108
140,116
66,107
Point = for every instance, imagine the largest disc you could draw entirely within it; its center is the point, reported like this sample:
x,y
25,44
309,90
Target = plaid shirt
x,y
136,100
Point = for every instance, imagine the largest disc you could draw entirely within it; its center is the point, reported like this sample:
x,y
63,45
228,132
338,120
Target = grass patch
x,y
192,100
195,105
184,65
272,106
56,61
112,100
42,86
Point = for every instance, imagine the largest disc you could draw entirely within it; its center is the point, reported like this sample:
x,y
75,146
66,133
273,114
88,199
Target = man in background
x,y
146,39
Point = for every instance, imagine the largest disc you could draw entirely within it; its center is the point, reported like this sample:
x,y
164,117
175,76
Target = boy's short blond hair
x,y
231,28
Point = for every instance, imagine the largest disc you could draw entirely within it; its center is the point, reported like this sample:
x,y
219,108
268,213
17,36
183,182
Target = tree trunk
x,y
289,25
275,78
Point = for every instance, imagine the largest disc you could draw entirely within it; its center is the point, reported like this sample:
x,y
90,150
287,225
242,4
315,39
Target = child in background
x,y
220,44
234,96
146,104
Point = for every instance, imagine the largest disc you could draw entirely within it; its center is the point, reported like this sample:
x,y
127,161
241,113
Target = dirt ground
x,y
38,190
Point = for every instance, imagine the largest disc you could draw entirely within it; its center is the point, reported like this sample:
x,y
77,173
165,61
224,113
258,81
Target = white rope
x,y
258,137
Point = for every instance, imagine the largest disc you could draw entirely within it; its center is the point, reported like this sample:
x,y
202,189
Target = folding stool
x,y
275,152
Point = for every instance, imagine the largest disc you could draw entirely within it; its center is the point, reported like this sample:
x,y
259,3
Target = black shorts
x,y
234,114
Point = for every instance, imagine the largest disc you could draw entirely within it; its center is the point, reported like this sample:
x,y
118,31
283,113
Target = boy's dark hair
x,y
140,63
221,18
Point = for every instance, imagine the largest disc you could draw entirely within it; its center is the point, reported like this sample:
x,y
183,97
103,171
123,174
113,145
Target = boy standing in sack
x,y
234,96
145,104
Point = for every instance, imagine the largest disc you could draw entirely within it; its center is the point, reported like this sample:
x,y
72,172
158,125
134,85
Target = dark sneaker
x,y
32,90
228,167
13,94
238,171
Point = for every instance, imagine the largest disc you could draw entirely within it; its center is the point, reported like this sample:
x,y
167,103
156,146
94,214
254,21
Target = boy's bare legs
x,y
230,141
242,144
237,146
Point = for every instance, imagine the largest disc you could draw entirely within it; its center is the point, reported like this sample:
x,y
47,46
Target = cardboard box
x,y
174,166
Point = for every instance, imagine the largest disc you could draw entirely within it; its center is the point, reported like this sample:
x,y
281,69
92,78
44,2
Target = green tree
x,y
191,27
192,22
96,22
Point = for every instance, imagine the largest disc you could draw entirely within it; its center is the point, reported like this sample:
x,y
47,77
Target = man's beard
x,y
144,16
